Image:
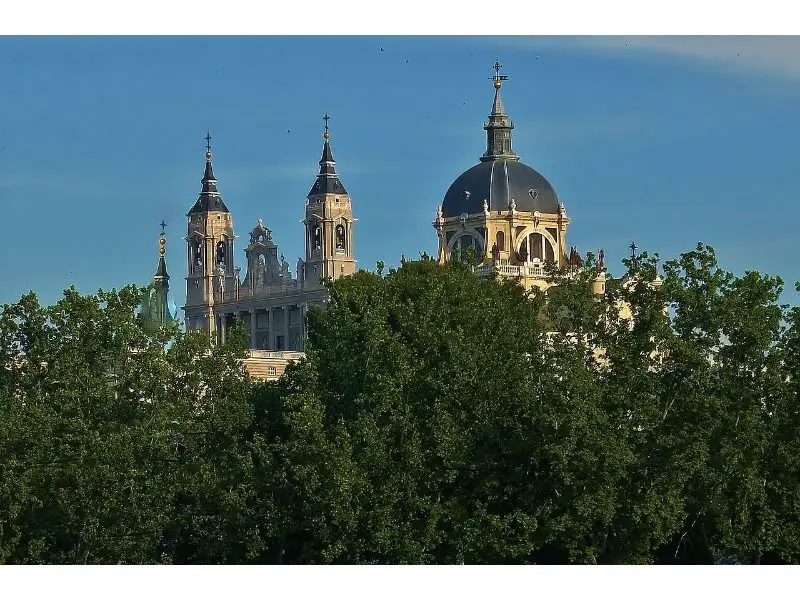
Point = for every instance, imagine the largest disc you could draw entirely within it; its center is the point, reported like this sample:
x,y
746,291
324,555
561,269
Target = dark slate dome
x,y
500,176
498,181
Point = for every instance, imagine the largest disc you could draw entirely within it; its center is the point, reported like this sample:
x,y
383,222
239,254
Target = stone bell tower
x,y
328,223
209,240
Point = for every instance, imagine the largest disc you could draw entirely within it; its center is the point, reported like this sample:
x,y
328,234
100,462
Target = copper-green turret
x,y
157,307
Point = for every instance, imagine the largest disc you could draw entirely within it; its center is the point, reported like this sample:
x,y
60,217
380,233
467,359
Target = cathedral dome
x,y
498,182
499,177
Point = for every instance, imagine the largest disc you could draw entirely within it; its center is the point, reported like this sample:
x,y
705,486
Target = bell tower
x,y
209,241
328,223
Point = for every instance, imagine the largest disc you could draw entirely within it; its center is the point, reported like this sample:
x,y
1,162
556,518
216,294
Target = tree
x,y
437,418
444,428
113,448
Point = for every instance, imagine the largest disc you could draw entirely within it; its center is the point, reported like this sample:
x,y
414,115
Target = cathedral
x,y
501,213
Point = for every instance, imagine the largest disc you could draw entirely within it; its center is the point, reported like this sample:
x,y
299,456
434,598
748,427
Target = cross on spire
x,y
327,134
163,228
497,78
633,248
208,141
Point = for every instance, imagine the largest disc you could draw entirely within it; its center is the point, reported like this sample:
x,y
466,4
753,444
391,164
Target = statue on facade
x,y
601,259
260,233
261,270
495,253
284,266
574,257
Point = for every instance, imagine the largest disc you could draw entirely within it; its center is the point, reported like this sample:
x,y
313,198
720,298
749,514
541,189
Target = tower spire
x,y
161,272
209,199
327,181
157,308
498,128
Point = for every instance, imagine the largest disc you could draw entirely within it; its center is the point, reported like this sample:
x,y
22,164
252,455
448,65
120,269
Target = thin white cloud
x,y
774,56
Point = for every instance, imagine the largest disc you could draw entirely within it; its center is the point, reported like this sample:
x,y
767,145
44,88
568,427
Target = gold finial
x,y
162,242
327,134
208,145
497,78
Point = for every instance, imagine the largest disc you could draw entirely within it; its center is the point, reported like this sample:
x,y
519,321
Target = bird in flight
x,y
380,48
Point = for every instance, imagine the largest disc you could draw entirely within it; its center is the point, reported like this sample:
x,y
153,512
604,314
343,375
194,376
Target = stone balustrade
x,y
505,268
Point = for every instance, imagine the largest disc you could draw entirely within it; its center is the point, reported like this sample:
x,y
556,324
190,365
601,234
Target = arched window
x,y
537,251
220,253
197,256
315,234
467,248
501,241
549,254
536,247
506,145
340,238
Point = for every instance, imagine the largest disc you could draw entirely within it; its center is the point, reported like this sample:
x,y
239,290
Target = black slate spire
x,y
209,198
498,128
327,181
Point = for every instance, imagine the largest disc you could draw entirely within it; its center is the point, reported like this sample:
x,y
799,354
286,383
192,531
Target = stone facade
x,y
270,300
501,214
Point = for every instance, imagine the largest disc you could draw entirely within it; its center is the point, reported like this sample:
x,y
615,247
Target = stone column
x,y
253,322
223,326
286,310
271,332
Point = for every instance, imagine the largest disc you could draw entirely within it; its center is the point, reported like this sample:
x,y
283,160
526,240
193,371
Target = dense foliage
x,y
437,418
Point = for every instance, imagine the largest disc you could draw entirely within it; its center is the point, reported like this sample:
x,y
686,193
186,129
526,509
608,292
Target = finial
x,y
327,134
208,145
633,248
497,78
163,240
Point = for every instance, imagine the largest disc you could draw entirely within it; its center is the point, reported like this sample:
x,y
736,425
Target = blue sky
x,y
668,141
